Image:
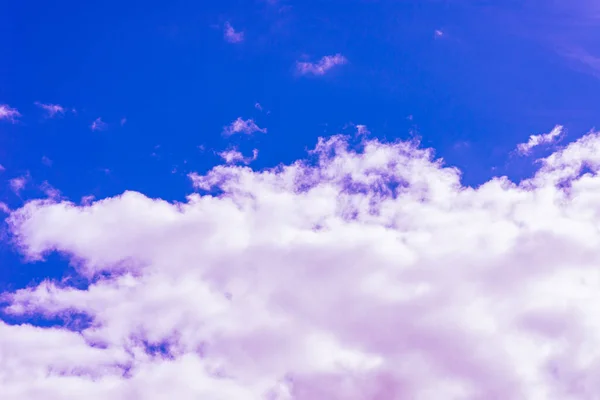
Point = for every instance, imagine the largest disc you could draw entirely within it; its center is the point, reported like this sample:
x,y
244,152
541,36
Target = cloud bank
x,y
366,271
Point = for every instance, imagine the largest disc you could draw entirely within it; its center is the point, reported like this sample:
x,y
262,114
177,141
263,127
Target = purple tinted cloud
x,y
364,273
321,67
98,125
230,34
51,110
8,113
242,126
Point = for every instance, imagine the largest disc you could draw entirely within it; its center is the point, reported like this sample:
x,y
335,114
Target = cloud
x,y
231,35
47,161
18,184
8,113
537,140
123,121
240,125
98,125
233,156
366,271
258,106
362,130
320,68
52,110
438,33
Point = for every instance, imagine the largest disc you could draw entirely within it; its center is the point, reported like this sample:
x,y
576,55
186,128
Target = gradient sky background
x,y
471,79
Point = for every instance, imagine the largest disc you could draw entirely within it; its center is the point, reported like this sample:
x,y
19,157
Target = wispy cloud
x,y
18,184
438,33
536,140
240,125
8,113
233,156
46,161
362,130
52,110
123,121
231,35
98,125
320,68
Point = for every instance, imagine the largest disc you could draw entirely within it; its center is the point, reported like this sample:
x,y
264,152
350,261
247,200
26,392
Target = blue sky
x,y
498,73
165,98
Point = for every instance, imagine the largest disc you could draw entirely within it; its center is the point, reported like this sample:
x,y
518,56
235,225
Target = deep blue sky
x,y
500,72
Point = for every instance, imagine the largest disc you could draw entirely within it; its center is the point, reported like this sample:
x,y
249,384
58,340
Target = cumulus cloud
x,y
240,125
322,66
51,110
233,156
8,113
98,125
537,140
231,35
367,271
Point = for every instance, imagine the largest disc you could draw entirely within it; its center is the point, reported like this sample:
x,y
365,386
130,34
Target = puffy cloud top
x,y
366,271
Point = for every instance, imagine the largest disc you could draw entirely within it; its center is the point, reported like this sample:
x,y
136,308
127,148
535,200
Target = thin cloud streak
x,y
321,67
51,109
537,140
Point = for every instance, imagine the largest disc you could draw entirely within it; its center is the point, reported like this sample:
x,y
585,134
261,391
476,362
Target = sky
x,y
281,199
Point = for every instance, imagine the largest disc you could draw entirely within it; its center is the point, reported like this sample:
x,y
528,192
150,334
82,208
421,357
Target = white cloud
x,y
8,113
364,274
438,33
98,125
233,156
51,109
536,140
320,68
231,35
240,125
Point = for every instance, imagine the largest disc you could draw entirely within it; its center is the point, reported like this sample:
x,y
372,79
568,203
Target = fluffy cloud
x,y
537,140
233,156
231,35
8,113
366,271
240,125
320,68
